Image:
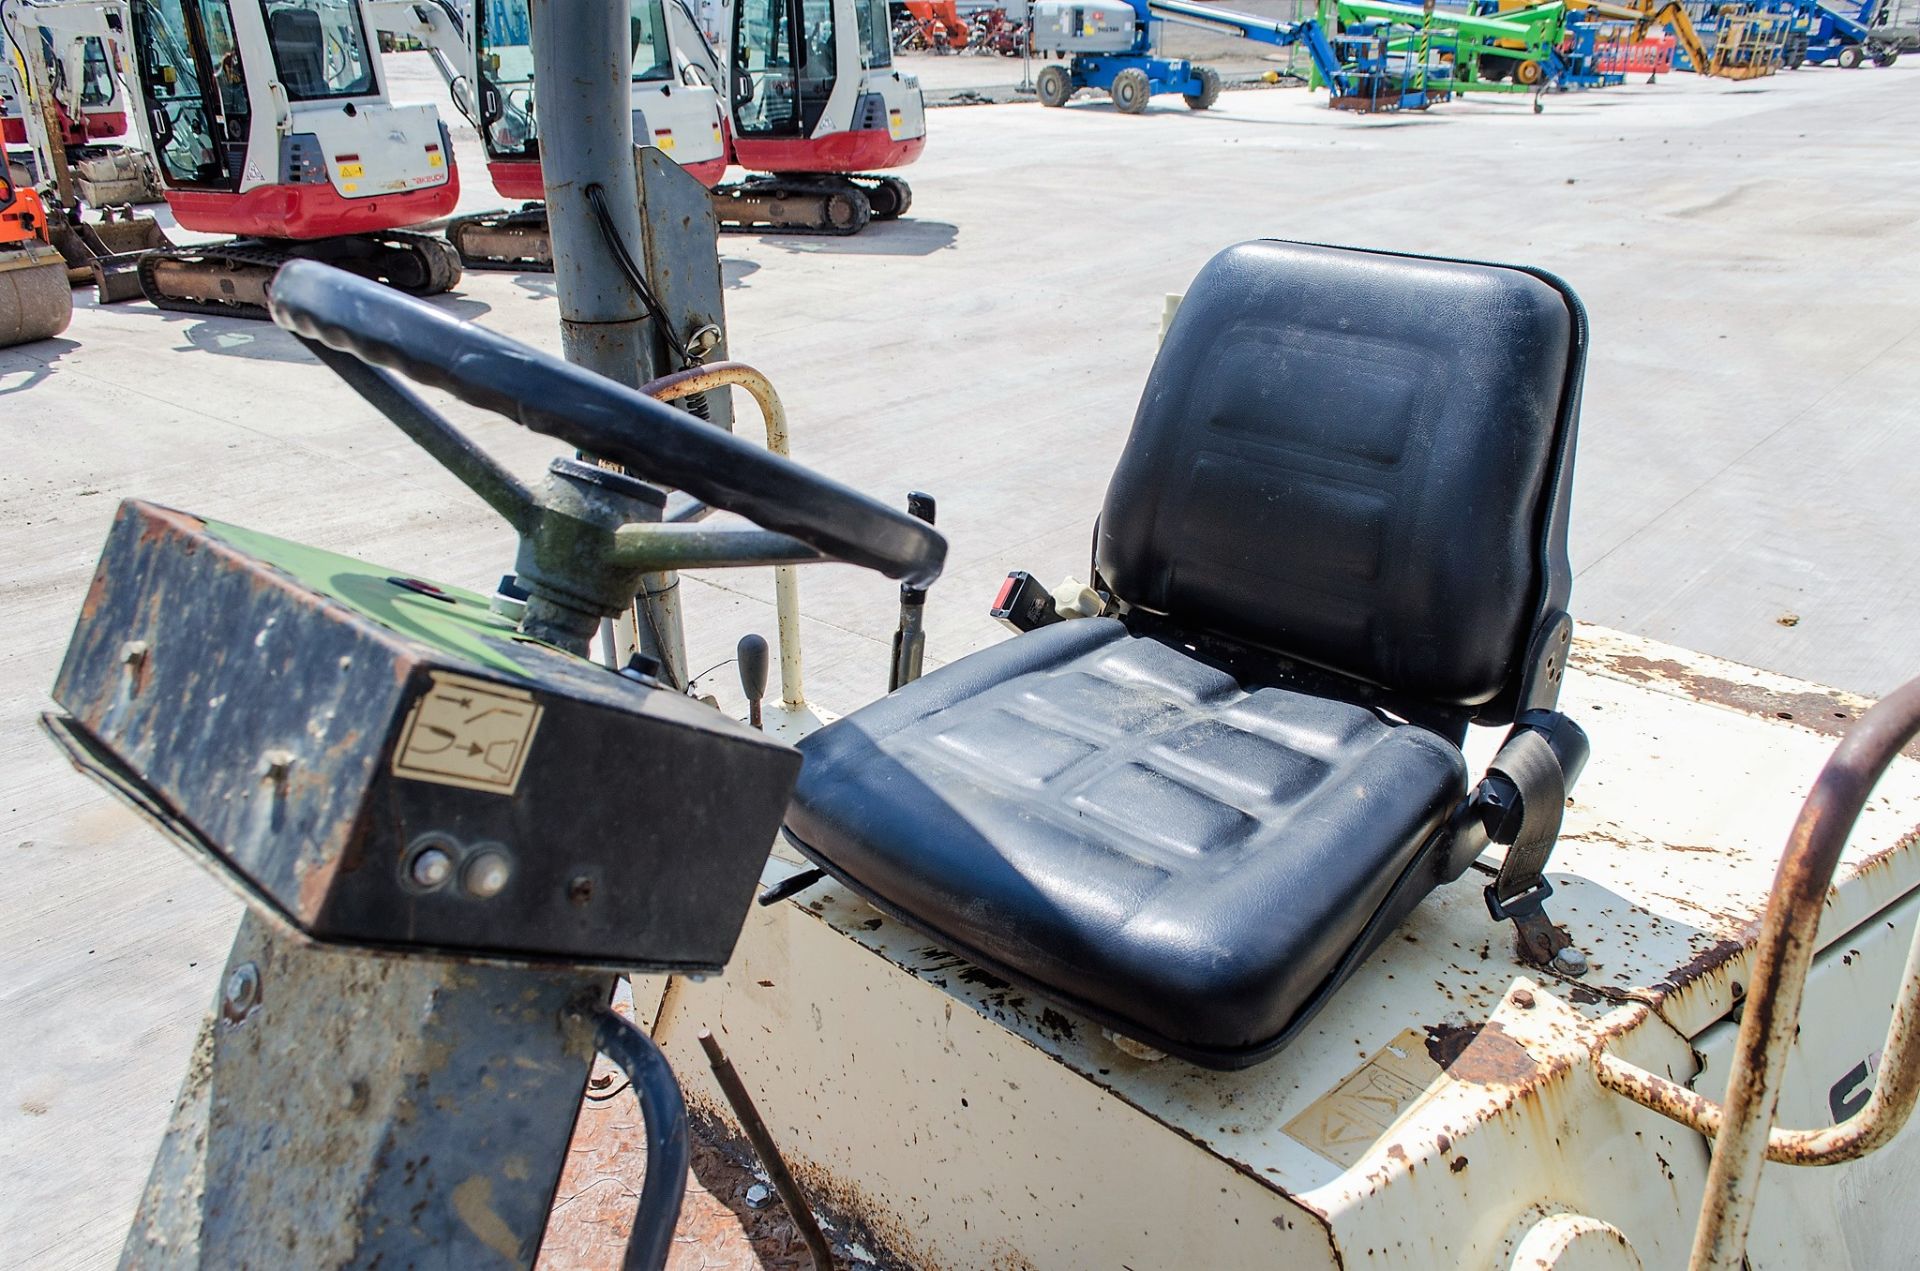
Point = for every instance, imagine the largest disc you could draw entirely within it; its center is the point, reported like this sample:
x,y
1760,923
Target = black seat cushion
x,y
1116,825
1348,457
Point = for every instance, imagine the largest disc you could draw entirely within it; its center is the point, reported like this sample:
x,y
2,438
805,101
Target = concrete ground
x,y
1750,253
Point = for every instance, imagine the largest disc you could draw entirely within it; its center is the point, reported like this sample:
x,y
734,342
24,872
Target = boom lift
x,y
1825,34
1386,56
271,122
1751,49
36,302
1133,939
1562,49
1112,49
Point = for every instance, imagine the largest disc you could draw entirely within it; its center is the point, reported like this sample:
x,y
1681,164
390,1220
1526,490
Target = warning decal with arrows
x,y
468,733
1349,1119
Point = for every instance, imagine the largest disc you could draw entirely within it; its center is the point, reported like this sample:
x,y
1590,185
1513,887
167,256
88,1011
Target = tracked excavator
x,y
270,122
807,99
35,300
817,108
89,119
101,104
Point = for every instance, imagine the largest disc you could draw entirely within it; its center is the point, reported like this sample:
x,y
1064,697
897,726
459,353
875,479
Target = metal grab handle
x,y
664,1111
546,395
1743,1130
786,579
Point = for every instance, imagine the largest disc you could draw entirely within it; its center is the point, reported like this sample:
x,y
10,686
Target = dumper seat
x,y
1336,538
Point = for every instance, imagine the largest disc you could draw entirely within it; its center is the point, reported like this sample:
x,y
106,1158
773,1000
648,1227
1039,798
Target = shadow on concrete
x,y
904,237
242,337
537,285
735,271
36,358
463,307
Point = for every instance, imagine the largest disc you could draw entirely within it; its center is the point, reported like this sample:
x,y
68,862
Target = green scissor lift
x,y
1457,38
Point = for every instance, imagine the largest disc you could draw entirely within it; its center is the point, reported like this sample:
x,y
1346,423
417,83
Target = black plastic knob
x,y
752,655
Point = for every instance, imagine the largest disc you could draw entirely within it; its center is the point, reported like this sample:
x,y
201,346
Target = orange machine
x,y
35,300
937,24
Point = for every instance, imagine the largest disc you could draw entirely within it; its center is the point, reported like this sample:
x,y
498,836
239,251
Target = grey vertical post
x,y
583,108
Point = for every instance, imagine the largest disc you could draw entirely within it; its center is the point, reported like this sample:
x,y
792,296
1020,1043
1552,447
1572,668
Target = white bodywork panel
x,y
682,115
391,142
906,105
1439,1112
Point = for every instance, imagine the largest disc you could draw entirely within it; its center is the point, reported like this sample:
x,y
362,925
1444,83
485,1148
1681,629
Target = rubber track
x,y
865,184
443,269
151,261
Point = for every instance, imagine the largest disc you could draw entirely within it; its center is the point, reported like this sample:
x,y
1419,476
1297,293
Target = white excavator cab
x,y
273,120
675,103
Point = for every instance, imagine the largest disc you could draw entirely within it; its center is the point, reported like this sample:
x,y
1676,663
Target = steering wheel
x,y
648,438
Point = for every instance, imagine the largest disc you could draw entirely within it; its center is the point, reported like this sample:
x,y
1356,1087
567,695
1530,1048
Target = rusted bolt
x,y
276,764
431,866
1523,999
486,874
241,993
133,652
580,890
1570,962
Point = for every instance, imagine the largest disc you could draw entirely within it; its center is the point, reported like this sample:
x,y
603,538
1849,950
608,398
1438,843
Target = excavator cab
x,y
785,65
87,80
674,102
196,91
271,120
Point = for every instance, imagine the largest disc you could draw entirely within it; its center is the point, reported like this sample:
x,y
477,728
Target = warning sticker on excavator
x,y
1344,1123
468,733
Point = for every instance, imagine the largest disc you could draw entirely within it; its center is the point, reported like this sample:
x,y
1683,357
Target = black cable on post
x,y
665,1113
695,404
597,200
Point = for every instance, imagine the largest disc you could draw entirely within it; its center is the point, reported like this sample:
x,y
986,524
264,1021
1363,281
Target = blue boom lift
x,y
1832,34
1111,43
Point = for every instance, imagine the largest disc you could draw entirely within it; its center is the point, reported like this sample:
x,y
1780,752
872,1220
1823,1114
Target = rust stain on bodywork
x,y
1827,712
1483,1054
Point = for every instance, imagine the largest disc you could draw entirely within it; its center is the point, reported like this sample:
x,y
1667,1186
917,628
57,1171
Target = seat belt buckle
x,y
1023,604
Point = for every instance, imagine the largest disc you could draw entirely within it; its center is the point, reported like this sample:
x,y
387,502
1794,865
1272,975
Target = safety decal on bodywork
x,y
468,733
1349,1119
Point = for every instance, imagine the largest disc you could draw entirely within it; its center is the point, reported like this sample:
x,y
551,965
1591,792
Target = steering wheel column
x,y
590,534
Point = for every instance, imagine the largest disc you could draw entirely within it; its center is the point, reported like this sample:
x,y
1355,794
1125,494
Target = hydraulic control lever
x,y
910,640
751,654
589,535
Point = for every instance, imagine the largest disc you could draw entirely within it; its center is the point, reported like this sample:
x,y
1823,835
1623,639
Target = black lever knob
x,y
752,655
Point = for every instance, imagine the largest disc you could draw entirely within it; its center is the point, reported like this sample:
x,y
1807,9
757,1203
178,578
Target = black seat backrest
x,y
1360,461
300,51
